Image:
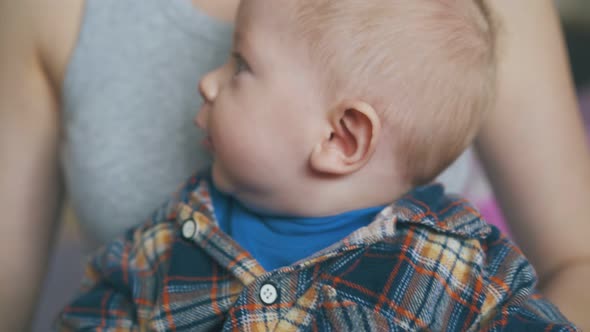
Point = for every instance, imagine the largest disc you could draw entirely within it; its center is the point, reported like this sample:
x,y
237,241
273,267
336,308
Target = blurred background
x,y
66,265
576,20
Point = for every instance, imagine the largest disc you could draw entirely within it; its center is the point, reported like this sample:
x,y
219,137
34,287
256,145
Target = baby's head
x,y
334,105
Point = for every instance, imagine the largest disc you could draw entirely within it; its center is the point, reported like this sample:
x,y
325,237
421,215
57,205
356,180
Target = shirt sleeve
x,y
512,301
105,299
121,282
534,314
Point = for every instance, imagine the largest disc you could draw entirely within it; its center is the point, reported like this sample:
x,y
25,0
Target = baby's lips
x,y
208,143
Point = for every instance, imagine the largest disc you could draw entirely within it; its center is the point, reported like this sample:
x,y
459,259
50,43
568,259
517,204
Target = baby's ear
x,y
353,132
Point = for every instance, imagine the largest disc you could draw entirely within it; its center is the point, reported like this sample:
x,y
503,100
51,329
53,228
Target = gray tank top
x,y
130,94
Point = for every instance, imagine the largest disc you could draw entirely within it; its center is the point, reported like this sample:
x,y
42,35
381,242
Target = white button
x,y
268,294
189,229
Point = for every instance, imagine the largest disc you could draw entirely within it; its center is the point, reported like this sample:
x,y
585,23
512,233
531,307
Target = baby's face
x,y
261,112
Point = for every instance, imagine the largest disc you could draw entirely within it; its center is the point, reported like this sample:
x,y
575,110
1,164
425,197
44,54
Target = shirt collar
x,y
427,206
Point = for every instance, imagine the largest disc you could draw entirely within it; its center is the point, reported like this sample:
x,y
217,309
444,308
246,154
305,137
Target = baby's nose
x,y
208,87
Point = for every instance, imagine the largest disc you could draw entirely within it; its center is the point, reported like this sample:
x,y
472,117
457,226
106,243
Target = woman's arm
x,y
534,150
30,186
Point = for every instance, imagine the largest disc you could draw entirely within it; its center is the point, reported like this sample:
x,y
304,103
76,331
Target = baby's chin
x,y
252,196
219,181
244,199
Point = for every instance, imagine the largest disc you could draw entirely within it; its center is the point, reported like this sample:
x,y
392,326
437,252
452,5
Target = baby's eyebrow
x,y
238,36
240,40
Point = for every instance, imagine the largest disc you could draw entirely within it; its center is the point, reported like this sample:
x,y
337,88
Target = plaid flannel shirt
x,y
427,262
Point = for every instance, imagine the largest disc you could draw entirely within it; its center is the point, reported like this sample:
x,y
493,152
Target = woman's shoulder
x,y
41,34
43,31
58,28
35,38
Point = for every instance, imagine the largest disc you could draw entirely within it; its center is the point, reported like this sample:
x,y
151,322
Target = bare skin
x,y
533,147
39,35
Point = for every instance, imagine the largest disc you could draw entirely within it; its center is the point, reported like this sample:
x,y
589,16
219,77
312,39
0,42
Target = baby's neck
x,y
343,197
326,197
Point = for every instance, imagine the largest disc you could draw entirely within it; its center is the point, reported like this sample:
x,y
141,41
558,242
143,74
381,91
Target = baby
x,y
326,127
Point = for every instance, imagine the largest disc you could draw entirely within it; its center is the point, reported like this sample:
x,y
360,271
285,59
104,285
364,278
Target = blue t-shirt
x,y
281,241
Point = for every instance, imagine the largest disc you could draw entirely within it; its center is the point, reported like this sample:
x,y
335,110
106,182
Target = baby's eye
x,y
241,64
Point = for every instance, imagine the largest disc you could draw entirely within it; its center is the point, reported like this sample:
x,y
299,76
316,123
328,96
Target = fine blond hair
x,y
427,66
